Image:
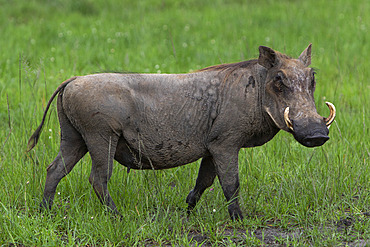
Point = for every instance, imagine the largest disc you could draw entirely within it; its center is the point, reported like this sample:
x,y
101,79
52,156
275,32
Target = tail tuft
x,y
34,139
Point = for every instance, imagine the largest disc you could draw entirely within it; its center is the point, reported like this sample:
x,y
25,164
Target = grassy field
x,y
291,195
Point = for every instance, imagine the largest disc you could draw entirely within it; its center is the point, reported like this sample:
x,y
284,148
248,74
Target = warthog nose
x,y
315,140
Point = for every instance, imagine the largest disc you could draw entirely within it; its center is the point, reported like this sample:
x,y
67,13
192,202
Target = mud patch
x,y
267,236
260,237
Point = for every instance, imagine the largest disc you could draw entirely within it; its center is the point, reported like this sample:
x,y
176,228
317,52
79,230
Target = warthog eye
x,y
278,78
313,82
278,83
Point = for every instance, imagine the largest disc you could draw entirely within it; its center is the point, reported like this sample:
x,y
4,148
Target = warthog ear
x,y
305,56
268,57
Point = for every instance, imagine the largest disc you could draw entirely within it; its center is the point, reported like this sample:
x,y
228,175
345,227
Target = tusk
x,y
329,120
287,120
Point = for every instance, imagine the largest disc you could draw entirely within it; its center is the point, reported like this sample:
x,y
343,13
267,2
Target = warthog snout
x,y
311,134
316,140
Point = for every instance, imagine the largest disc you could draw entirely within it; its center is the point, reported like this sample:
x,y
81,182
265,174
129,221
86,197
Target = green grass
x,y
291,195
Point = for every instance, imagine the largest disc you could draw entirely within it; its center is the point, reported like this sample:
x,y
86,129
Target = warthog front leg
x,y
206,176
228,174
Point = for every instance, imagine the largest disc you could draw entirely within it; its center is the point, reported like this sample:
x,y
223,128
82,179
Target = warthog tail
x,y
35,136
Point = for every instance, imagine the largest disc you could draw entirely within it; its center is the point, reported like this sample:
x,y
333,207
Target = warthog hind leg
x,y
206,176
72,149
102,148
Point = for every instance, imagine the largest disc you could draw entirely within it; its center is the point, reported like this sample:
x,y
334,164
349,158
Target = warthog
x,y
160,121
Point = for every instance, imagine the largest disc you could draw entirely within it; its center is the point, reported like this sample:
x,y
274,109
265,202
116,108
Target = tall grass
x,y
319,195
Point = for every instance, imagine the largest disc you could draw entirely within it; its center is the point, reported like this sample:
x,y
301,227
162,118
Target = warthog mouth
x,y
328,121
315,140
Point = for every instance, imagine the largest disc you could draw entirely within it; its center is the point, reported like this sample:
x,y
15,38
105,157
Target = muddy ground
x,y
266,237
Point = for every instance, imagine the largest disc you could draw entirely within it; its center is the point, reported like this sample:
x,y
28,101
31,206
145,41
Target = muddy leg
x,y
206,176
228,175
72,149
102,153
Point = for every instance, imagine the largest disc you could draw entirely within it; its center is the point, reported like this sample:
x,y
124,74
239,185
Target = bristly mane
x,y
233,66
229,66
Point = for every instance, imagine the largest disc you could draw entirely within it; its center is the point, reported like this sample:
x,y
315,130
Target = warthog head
x,y
289,100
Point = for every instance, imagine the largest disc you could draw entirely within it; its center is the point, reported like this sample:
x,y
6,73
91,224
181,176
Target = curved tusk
x,y
329,120
287,120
